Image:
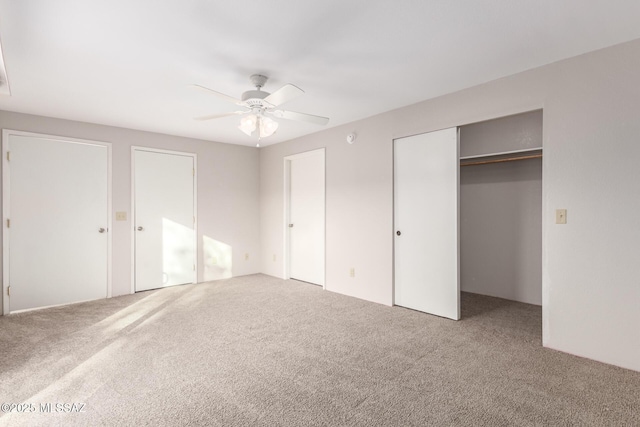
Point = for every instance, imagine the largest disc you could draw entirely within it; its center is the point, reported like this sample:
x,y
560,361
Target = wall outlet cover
x,y
561,216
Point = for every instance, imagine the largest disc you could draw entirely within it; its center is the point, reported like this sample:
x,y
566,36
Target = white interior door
x,y
164,225
306,217
58,207
426,223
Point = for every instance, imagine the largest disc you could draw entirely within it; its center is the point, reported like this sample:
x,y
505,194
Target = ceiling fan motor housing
x,y
253,98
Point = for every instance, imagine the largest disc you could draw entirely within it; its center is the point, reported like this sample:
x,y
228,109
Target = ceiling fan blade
x,y
301,117
217,116
218,94
284,94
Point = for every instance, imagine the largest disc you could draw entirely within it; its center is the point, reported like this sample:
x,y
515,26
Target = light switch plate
x,y
121,216
561,216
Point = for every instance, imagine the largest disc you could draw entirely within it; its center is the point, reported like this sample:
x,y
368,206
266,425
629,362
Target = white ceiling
x,y
128,62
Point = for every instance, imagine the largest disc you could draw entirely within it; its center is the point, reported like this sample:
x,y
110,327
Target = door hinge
x,y
8,155
193,171
194,267
8,223
8,291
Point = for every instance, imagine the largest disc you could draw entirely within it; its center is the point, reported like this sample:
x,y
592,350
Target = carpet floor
x,y
260,351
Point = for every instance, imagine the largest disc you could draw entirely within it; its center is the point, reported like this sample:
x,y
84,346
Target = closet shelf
x,y
501,158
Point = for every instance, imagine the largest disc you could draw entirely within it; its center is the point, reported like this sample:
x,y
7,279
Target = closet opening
x,y
501,217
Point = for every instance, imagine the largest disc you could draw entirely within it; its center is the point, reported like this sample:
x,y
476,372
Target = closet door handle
x,y
398,232
140,228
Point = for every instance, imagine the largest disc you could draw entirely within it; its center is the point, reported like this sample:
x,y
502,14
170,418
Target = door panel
x,y
58,202
306,213
426,215
164,219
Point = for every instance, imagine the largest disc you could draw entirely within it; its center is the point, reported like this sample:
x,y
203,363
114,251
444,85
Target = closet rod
x,y
508,159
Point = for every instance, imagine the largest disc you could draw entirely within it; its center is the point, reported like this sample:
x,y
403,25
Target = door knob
x,y
101,230
398,232
290,225
140,228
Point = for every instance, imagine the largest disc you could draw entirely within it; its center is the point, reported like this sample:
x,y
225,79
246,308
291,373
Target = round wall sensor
x,y
351,138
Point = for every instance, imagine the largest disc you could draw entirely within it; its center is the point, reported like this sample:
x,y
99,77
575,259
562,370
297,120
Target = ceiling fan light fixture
x,y
267,127
248,124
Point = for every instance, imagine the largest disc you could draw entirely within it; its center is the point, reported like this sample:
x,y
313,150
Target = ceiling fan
x,y
260,106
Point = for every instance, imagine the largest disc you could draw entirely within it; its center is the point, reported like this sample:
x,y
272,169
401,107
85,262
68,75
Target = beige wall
x,y
227,191
590,266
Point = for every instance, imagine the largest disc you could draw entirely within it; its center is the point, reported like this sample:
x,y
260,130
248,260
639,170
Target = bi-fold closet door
x,y
426,219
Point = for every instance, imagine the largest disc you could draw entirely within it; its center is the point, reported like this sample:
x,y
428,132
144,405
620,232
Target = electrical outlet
x,y
352,272
274,257
246,257
561,216
121,216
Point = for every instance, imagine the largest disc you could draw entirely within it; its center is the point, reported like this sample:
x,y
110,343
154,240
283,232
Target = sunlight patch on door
x,y
178,254
217,259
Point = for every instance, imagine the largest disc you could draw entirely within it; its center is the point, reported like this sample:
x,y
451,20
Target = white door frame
x,y
135,148
286,265
6,181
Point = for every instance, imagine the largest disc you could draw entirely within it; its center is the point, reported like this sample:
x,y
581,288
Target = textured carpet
x,y
259,351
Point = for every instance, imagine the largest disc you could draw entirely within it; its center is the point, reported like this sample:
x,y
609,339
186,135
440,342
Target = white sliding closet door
x,y
426,223
165,246
58,208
